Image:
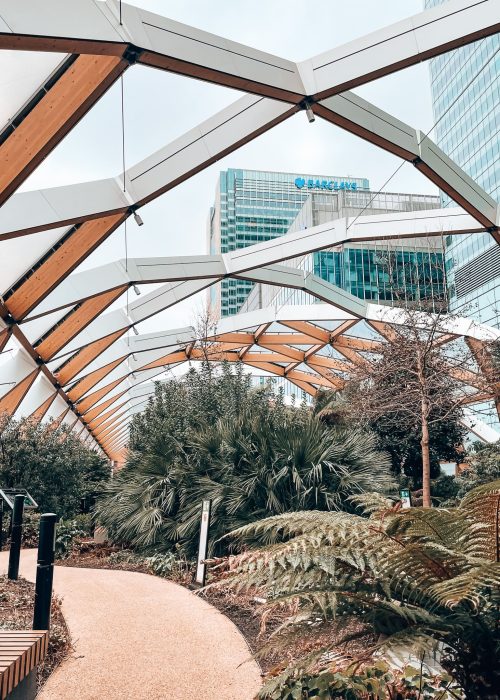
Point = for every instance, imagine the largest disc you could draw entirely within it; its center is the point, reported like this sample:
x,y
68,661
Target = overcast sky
x,y
159,107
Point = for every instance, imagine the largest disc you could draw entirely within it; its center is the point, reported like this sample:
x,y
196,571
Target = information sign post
x,y
201,569
405,497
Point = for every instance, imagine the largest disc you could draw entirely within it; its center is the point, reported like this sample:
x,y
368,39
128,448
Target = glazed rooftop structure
x,y
65,354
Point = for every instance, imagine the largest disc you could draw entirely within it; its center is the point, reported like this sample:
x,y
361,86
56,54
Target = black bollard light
x,y
16,537
44,571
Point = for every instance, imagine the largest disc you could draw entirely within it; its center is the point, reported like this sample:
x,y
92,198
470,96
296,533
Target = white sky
x,y
159,107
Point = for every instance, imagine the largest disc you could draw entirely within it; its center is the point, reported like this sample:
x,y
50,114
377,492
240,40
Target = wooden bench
x,y
20,654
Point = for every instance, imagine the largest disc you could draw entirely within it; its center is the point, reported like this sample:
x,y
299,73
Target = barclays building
x,y
252,206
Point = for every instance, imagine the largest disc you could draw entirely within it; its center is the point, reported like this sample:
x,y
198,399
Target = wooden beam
x,y
10,402
75,323
260,330
104,416
83,358
307,377
65,103
384,329
265,357
104,428
78,246
484,361
344,326
39,413
305,386
479,397
179,356
4,337
287,339
329,363
327,374
90,380
268,367
97,410
308,329
363,344
291,353
114,430
353,356
90,400
239,338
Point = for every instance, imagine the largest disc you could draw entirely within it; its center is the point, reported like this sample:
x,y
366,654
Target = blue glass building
x,y
465,86
253,206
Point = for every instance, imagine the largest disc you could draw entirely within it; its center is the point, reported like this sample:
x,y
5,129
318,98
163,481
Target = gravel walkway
x,y
138,637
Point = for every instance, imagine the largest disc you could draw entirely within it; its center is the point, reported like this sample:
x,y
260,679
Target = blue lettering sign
x,y
311,184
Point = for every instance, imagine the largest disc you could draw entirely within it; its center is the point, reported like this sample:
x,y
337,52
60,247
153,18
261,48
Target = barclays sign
x,y
311,184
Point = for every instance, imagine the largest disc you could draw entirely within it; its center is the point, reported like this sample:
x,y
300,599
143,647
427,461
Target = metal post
x,y
1,524
45,571
201,569
15,537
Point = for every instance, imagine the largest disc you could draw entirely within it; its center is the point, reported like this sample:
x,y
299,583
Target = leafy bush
x,y
216,437
374,682
31,529
168,565
68,532
422,578
53,464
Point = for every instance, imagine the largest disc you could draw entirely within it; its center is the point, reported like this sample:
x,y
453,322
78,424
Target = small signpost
x,y
201,569
8,495
405,497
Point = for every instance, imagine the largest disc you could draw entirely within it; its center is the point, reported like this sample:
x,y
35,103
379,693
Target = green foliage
x,y
168,565
377,681
31,528
171,565
399,432
216,437
68,531
400,437
484,467
422,578
53,464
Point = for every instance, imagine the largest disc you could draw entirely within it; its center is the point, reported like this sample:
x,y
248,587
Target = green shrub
x,y
376,682
68,531
168,565
216,437
423,578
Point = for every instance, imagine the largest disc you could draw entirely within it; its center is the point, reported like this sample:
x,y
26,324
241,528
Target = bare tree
x,y
422,372
205,346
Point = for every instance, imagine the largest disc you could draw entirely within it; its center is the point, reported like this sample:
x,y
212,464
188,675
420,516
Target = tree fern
x,y
422,578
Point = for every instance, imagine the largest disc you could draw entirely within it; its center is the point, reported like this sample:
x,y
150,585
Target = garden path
x,y
139,637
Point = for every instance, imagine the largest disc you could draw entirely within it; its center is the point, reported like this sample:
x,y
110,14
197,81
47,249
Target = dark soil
x,y
16,613
245,610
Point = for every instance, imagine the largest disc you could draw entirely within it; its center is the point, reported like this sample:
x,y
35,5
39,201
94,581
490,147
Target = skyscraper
x,y
253,206
465,86
395,272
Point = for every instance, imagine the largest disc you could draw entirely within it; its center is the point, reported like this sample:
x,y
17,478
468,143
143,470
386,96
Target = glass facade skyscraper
x,y
465,86
394,272
253,206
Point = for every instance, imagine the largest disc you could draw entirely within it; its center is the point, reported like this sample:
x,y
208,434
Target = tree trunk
x,y
426,459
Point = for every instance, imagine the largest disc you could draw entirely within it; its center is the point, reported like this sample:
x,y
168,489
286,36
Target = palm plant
x,y
420,578
250,455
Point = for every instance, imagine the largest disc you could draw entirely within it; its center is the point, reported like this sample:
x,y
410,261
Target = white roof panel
x,y
21,74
